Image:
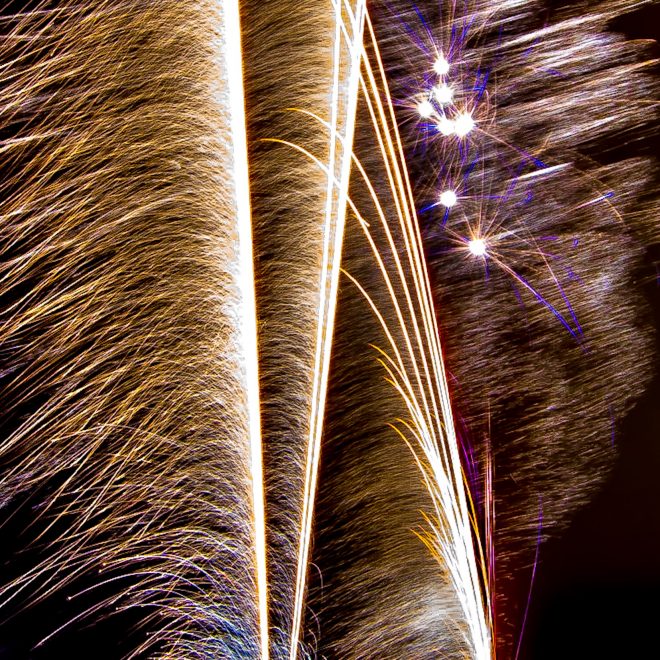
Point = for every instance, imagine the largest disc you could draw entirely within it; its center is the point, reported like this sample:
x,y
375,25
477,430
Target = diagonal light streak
x,y
248,320
336,201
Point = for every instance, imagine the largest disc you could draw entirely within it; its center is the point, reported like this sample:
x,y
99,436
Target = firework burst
x,y
315,322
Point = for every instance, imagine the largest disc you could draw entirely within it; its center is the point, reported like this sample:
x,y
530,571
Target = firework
x,y
315,322
129,419
533,261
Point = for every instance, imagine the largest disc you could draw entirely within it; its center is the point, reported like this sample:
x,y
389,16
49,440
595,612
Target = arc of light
x,y
436,477
335,220
248,320
441,453
443,474
441,487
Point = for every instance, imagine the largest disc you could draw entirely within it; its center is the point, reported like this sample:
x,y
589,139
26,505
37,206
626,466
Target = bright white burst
x,y
446,126
441,66
443,94
425,109
448,198
477,246
463,124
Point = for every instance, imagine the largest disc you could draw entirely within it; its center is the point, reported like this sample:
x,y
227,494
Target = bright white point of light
x,y
463,124
443,93
446,126
448,198
441,66
425,109
477,246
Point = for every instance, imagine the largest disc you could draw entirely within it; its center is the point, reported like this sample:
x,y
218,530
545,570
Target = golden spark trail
x,y
131,414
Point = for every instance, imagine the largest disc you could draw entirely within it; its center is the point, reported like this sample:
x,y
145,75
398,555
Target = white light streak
x,y
416,370
335,220
543,172
248,321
